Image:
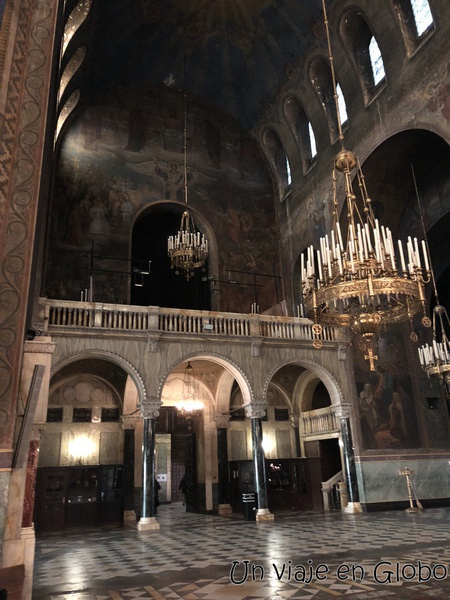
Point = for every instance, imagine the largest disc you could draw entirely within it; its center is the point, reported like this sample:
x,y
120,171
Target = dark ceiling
x,y
238,53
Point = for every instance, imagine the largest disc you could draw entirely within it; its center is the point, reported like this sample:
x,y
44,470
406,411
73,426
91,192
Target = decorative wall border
x,y
21,153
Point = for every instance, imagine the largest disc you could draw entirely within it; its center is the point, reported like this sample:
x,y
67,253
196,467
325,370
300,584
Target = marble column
x,y
129,423
295,420
256,411
222,459
149,410
349,467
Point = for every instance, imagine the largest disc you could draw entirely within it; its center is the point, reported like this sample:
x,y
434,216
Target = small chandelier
x,y
190,405
188,249
369,282
434,358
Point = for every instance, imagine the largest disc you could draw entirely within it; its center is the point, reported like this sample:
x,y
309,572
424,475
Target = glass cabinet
x,y
81,497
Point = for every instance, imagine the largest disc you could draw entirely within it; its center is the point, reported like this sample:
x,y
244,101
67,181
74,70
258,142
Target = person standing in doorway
x,y
183,488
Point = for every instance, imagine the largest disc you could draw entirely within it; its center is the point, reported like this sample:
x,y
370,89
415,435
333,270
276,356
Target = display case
x,y
292,484
109,503
81,497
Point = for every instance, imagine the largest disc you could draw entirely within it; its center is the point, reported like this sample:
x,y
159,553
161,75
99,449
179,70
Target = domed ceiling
x,y
234,54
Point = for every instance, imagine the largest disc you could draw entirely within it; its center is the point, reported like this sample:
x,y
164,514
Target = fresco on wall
x,y
386,404
124,155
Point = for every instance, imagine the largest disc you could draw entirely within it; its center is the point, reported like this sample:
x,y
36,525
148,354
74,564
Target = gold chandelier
x,y
364,281
190,405
188,249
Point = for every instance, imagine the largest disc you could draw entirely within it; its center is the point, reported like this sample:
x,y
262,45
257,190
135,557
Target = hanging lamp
x,y
190,405
188,248
435,357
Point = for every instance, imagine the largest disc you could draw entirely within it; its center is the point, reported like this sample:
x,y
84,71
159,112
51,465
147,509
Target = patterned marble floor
x,y
299,556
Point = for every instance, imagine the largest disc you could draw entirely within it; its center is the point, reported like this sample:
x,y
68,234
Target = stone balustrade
x,y
61,315
322,420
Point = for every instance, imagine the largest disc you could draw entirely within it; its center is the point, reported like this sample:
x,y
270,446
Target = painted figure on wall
x,y
386,407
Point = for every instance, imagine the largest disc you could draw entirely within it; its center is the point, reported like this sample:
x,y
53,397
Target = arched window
x,y
288,172
279,160
342,106
301,130
363,51
422,16
415,20
376,61
322,82
312,141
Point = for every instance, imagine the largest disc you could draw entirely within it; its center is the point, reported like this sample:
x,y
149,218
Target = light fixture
x,y
190,405
188,249
360,284
434,358
81,448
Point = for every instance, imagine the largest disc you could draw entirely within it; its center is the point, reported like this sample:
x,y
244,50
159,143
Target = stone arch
x,y
223,394
107,356
283,394
226,363
319,372
173,387
304,391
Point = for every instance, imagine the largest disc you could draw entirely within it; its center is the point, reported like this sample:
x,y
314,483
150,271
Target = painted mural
x,y
124,155
386,404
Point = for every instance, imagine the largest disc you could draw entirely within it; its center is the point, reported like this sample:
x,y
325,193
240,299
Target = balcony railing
x,y
63,315
321,420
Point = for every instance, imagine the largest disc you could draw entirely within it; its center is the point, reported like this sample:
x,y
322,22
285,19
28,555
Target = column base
x,y
264,514
353,507
129,519
224,509
129,515
147,523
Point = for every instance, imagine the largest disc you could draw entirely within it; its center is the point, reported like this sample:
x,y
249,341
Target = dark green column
x,y
255,411
149,410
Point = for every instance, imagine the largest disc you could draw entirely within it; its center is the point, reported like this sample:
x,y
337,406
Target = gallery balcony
x,y
67,317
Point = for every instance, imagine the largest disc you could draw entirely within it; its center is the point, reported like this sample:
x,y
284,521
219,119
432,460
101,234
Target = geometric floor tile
x,y
299,556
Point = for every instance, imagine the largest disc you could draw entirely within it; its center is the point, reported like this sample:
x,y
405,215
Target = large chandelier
x,y
188,249
364,281
190,405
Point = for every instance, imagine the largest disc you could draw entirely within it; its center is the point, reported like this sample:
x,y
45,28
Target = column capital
x,y
150,408
221,421
37,431
295,420
256,409
130,421
40,345
342,411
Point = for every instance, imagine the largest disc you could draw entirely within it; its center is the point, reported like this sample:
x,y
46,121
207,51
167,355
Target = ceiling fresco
x,y
235,54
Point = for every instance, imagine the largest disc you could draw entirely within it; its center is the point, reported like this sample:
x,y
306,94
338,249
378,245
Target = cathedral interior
x,y
224,266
